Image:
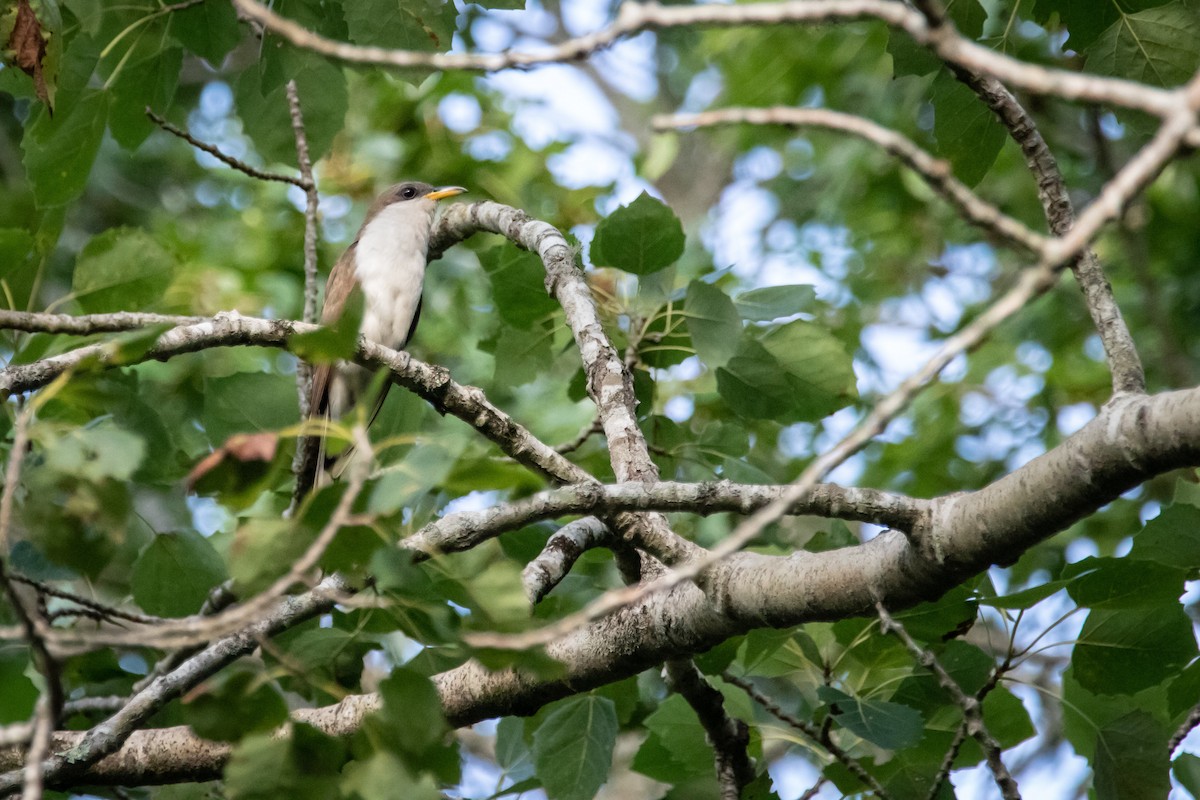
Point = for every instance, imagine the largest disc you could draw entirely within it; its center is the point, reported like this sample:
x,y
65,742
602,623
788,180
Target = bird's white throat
x,y
390,265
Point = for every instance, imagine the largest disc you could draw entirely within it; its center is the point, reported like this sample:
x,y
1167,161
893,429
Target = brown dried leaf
x,y
27,46
244,447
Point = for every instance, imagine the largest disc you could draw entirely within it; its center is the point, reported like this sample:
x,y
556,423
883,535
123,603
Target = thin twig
x,y
585,433
306,450
818,736
93,607
49,703
934,171
971,707
215,152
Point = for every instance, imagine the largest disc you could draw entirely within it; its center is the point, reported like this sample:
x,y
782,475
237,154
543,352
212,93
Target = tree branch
x,y
636,17
727,735
466,529
1132,439
559,554
971,709
934,171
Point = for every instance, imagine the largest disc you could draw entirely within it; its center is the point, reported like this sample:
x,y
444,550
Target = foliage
x,y
785,281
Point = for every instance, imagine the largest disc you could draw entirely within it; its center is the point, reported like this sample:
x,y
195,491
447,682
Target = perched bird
x,y
386,263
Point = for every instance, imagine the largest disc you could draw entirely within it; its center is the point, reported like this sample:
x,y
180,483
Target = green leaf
x,y
1186,769
798,372
411,718
642,237
59,150
95,453
122,269
1131,759
174,574
772,302
19,695
890,725
262,104
666,341
1123,582
208,29
521,356
301,764
1123,651
968,16
384,775
713,323
676,749
1171,538
1087,19
512,751
18,267
330,343
149,82
248,401
572,748
242,704
422,25
1156,46
968,134
1026,598
261,551
518,282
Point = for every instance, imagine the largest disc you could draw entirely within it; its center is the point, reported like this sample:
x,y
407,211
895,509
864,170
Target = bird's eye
x,y
408,192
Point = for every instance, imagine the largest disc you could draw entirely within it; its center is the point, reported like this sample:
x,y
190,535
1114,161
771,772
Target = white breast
x,y
390,264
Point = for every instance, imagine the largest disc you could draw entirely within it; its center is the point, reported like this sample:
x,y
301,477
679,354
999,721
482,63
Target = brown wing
x,y
337,291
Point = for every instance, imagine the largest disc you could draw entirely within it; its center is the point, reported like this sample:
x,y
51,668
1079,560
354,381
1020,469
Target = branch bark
x,y
1132,439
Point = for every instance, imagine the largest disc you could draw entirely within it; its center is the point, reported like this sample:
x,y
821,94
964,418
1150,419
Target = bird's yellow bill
x,y
445,191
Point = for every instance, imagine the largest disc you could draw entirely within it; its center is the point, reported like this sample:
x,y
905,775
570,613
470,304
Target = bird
x,y
386,263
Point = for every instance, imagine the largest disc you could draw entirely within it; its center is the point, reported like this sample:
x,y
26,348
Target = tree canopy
x,y
805,400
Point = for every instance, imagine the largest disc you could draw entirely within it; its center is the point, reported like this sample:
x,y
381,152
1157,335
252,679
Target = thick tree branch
x,y
1132,439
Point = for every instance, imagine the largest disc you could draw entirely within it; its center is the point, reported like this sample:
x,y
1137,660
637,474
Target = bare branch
x,y
609,382
306,447
466,529
727,735
559,554
971,708
227,330
215,152
934,171
85,325
1119,346
87,748
636,17
819,736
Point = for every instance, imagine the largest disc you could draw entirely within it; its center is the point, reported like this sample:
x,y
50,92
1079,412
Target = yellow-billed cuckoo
x,y
386,263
